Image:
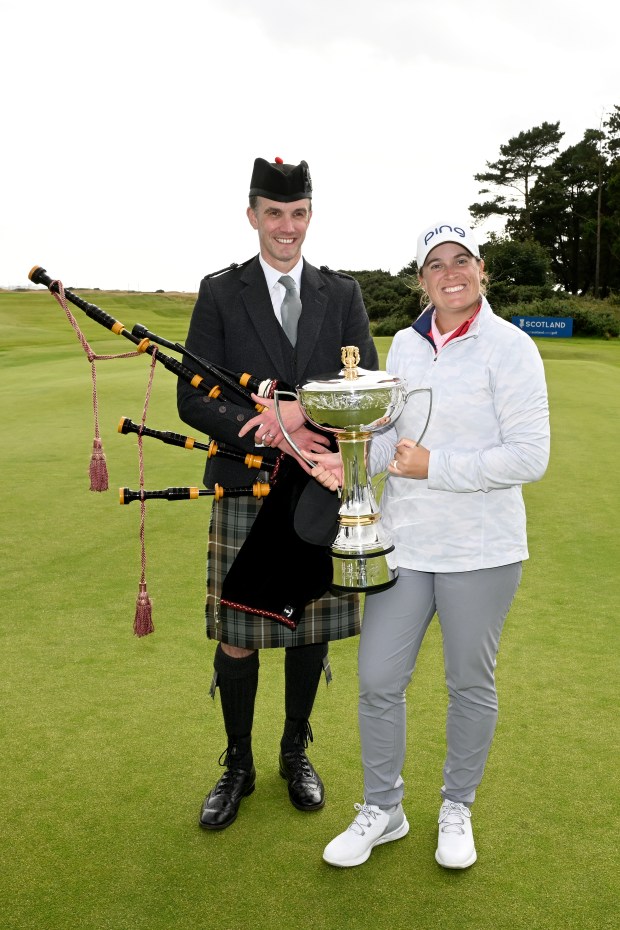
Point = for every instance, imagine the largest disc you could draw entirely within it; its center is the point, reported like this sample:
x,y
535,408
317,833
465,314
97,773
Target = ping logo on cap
x,y
438,231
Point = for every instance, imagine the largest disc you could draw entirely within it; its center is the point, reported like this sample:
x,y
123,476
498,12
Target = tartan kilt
x,y
324,619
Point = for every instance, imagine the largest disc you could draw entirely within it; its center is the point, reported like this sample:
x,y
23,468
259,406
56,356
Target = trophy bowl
x,y
353,404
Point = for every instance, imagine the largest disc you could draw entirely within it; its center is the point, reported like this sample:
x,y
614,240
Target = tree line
x,y
561,239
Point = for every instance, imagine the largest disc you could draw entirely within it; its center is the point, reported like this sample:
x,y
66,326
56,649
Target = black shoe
x,y
221,805
305,788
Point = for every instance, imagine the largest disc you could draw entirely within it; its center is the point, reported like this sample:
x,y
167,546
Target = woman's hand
x,y
328,470
410,460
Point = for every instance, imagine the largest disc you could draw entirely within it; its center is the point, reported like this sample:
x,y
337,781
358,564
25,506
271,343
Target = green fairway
x,y
109,742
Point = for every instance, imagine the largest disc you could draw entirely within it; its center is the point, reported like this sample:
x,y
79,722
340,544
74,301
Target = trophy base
x,y
366,573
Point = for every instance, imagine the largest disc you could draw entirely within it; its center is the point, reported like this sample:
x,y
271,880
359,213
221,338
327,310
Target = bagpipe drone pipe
x,y
297,520
188,442
242,384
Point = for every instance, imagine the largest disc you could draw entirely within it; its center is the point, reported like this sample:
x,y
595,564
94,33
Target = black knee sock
x,y
302,672
237,680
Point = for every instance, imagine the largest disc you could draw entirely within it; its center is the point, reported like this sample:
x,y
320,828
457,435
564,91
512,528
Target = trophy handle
x,y
428,391
292,444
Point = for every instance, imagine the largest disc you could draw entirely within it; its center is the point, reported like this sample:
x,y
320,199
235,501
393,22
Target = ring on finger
x,y
394,464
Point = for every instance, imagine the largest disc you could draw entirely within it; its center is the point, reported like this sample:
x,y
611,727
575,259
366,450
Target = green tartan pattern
x,y
324,619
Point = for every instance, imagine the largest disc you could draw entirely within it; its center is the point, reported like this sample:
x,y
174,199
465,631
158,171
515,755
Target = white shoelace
x,y
369,815
452,817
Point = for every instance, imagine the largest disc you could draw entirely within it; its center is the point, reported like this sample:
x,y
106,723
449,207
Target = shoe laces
x,y
304,735
224,782
298,763
229,758
226,758
364,819
452,817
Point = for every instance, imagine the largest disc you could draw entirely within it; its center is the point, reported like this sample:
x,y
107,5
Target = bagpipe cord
x,y
98,469
143,621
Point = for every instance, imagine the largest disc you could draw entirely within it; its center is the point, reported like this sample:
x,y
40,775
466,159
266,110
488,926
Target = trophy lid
x,y
351,377
353,399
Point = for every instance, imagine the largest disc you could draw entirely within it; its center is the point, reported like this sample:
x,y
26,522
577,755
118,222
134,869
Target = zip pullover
x,y
488,435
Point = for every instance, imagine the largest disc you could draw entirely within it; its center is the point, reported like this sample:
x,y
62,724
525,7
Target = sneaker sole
x,y
396,834
454,865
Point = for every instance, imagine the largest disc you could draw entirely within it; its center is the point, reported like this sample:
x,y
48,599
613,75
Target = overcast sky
x,y
130,127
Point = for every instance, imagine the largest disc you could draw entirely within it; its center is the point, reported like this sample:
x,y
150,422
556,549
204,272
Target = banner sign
x,y
545,325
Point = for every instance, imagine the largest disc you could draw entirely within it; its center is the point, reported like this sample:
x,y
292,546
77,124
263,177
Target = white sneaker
x,y
371,827
455,847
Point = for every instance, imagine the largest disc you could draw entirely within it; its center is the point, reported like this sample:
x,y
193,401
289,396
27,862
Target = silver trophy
x,y
353,403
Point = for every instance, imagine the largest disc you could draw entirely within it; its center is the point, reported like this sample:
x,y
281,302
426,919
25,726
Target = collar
x,y
272,275
441,339
423,323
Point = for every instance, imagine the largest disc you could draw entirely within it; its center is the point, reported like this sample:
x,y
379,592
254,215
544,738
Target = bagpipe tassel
x,y
143,622
98,468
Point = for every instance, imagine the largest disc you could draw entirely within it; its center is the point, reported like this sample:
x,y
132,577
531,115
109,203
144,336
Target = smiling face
x,y
281,230
451,278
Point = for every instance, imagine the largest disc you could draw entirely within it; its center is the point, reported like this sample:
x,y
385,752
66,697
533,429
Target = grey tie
x,y
290,309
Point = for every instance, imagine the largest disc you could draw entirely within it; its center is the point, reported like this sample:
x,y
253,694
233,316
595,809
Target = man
x,y
247,319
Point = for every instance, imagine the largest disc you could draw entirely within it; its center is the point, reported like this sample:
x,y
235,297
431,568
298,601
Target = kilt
x,y
324,619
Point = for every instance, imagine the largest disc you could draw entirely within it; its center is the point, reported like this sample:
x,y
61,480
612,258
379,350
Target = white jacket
x,y
488,434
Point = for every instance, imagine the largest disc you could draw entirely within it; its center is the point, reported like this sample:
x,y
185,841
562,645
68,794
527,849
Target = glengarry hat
x,y
445,232
277,181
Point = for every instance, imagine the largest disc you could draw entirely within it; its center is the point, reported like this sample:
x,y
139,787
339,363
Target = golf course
x,y
110,741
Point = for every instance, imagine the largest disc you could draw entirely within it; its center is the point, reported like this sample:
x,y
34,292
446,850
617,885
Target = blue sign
x,y
561,326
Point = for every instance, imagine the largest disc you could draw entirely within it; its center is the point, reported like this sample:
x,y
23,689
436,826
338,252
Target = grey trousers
x,y
471,607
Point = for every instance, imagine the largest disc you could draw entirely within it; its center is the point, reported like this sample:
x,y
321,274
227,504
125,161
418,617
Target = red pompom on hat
x,y
278,160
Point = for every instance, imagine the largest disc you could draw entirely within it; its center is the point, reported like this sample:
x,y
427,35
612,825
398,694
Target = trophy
x,y
353,403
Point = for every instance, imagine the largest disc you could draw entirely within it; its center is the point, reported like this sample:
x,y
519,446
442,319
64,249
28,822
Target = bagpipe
x,y
126,495
242,383
283,530
188,442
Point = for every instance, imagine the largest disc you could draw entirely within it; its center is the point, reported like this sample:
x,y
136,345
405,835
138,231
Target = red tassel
x,y
98,469
143,622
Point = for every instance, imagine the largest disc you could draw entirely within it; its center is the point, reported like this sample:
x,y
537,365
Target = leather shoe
x,y
305,788
221,805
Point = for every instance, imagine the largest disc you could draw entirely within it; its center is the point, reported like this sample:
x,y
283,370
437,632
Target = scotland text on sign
x,y
561,326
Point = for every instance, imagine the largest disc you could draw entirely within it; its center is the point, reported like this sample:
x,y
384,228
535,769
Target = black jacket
x,y
233,325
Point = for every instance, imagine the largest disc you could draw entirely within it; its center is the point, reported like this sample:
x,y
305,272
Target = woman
x,y
454,509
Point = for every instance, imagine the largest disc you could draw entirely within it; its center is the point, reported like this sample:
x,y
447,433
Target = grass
x,y
109,742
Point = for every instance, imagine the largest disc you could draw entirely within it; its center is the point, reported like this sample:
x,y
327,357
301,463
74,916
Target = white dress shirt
x,y
277,290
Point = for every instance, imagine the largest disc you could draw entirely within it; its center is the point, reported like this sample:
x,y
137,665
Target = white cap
x,y
445,232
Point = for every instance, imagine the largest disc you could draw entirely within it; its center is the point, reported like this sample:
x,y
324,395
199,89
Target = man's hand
x,y
268,432
307,441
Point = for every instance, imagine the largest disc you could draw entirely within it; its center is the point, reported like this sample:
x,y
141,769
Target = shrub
x,y
500,293
390,325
